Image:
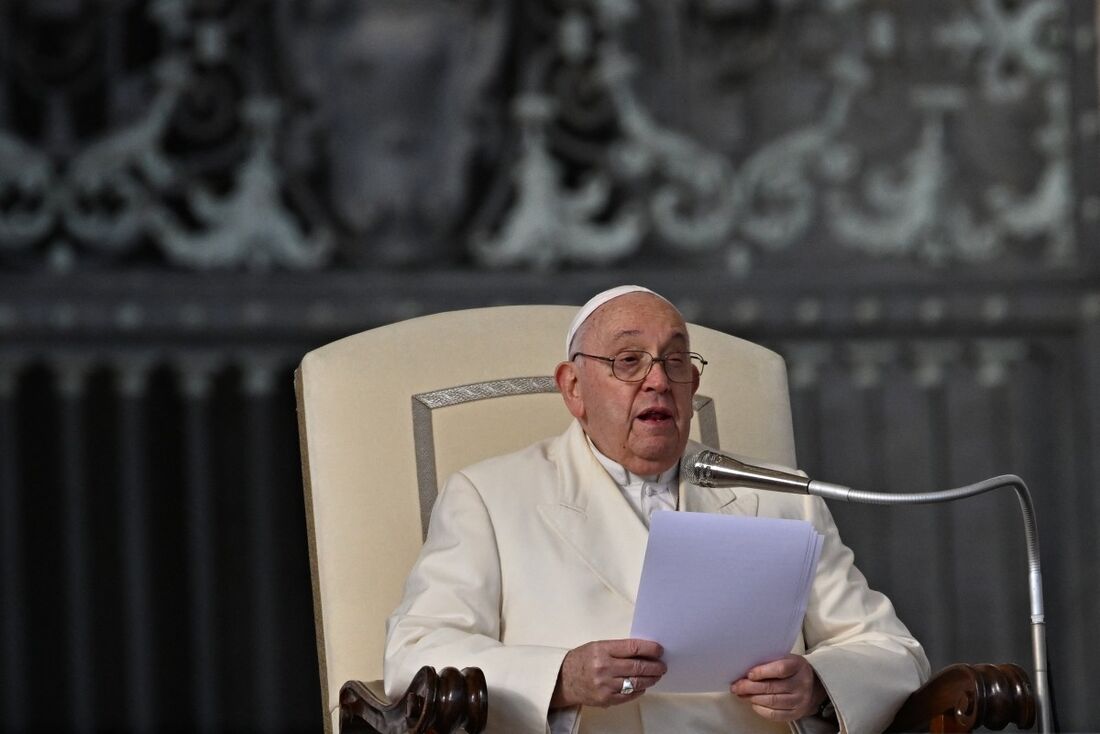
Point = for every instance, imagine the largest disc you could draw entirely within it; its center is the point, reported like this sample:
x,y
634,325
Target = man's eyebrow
x,y
626,333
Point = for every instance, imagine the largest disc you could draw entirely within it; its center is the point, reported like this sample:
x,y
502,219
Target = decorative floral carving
x,y
375,133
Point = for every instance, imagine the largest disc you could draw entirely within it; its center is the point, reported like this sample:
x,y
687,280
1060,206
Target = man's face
x,y
642,425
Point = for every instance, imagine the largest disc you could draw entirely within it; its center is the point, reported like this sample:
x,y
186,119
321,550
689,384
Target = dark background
x,y
899,197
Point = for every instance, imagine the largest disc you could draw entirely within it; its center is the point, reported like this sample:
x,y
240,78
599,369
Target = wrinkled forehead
x,y
635,316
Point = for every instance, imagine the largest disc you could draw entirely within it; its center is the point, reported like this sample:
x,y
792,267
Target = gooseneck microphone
x,y
714,469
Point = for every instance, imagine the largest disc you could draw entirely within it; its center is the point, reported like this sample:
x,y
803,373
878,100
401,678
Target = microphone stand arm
x,y
839,492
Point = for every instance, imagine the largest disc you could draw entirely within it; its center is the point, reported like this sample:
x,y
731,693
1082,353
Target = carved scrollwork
x,y
1012,46
547,223
433,704
392,134
25,177
120,148
688,187
967,697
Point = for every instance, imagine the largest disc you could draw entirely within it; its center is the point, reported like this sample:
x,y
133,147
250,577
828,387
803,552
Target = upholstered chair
x,y
386,415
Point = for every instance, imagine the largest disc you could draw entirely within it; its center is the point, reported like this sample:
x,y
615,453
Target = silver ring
x,y
628,687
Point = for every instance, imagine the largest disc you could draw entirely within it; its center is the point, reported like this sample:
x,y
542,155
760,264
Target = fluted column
x,y
13,648
196,386
869,363
1090,369
999,366
259,375
974,400
1086,506
805,362
131,385
933,362
79,694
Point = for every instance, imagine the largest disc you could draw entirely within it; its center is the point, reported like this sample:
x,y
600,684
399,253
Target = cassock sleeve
x,y
450,616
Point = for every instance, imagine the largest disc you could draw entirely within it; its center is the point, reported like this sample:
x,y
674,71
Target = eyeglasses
x,y
634,365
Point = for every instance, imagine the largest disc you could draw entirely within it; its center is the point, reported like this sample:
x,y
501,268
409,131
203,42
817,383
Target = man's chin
x,y
654,460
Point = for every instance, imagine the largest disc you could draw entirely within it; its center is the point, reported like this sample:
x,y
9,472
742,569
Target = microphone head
x,y
694,467
712,469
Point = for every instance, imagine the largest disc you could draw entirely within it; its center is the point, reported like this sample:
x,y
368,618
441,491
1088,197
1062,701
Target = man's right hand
x,y
593,674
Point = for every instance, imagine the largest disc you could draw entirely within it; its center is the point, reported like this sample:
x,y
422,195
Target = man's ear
x,y
569,386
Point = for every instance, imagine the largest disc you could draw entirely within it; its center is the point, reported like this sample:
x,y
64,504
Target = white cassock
x,y
534,553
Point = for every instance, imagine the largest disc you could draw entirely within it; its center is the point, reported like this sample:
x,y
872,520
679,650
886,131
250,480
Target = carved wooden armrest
x,y
966,697
433,704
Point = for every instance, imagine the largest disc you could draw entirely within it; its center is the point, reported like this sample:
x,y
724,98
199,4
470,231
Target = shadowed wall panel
x,y
133,429
12,547
919,554
201,532
78,557
932,413
956,573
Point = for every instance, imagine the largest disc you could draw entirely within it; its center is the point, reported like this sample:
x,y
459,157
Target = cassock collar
x,y
624,477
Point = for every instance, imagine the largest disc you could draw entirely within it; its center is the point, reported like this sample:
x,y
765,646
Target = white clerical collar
x,y
625,478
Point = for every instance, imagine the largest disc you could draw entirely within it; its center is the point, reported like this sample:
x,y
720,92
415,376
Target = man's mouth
x,y
655,415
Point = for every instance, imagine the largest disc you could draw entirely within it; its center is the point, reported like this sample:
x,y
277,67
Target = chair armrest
x,y
958,698
965,697
438,703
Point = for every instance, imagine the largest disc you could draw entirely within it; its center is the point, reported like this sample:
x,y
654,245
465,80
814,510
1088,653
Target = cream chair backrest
x,y
386,415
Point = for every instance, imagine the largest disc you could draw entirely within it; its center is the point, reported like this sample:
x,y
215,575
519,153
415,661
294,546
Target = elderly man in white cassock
x,y
532,560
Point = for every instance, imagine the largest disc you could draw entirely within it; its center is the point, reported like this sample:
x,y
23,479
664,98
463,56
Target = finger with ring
x,y
628,687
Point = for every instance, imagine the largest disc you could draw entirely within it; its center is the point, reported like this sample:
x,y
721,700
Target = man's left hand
x,y
782,690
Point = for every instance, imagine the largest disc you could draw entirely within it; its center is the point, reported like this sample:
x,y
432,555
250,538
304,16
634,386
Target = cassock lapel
x,y
594,518
596,521
723,500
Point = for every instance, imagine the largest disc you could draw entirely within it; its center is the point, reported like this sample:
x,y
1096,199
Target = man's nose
x,y
657,379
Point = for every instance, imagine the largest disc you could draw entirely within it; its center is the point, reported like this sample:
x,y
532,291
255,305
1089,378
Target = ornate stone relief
x,y
402,98
378,134
907,189
154,142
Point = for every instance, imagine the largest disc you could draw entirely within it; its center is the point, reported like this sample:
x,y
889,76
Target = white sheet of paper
x,y
722,594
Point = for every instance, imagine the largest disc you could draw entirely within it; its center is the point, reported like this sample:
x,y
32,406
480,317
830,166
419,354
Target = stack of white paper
x,y
722,594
